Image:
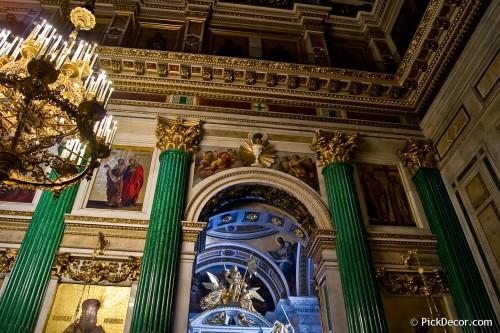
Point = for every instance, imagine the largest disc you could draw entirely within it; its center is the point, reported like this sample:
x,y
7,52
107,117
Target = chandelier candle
x,y
45,104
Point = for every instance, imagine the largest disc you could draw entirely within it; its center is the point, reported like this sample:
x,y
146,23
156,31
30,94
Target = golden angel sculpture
x,y
218,295
237,292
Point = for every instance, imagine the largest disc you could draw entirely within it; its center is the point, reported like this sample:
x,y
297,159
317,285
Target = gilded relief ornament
x,y
7,260
257,152
178,134
331,148
418,154
94,271
412,283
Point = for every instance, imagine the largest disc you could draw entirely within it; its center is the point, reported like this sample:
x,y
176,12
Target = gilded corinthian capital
x,y
418,154
178,134
334,147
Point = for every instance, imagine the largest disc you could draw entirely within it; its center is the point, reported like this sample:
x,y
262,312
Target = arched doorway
x,y
263,218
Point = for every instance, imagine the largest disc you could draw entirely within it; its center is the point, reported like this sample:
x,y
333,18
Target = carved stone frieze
x,y
139,67
95,271
185,72
313,84
207,74
116,65
178,134
228,76
355,88
417,154
271,79
250,77
334,147
292,82
334,86
376,90
162,70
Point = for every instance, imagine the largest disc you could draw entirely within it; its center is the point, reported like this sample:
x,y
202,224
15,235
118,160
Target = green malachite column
x,y
153,309
466,285
23,295
364,309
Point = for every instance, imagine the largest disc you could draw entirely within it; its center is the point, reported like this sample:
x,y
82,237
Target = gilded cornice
x,y
178,134
15,213
373,235
417,41
275,95
214,110
319,241
418,154
446,49
105,220
191,230
334,147
254,64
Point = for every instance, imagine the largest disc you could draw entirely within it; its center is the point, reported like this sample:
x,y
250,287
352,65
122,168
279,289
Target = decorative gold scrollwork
x,y
412,283
94,271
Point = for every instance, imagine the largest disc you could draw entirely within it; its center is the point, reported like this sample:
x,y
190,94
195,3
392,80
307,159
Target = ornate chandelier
x,y
53,123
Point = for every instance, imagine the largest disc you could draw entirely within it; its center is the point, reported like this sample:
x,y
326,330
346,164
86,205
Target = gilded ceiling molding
x,y
178,134
215,110
234,63
334,147
266,94
418,154
107,220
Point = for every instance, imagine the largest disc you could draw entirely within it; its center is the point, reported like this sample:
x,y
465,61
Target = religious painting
x,y
121,180
18,195
285,257
212,160
384,195
301,166
84,308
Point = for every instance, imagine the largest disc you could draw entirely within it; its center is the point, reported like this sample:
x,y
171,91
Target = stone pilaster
x,y
364,309
467,288
190,234
321,249
23,296
154,304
